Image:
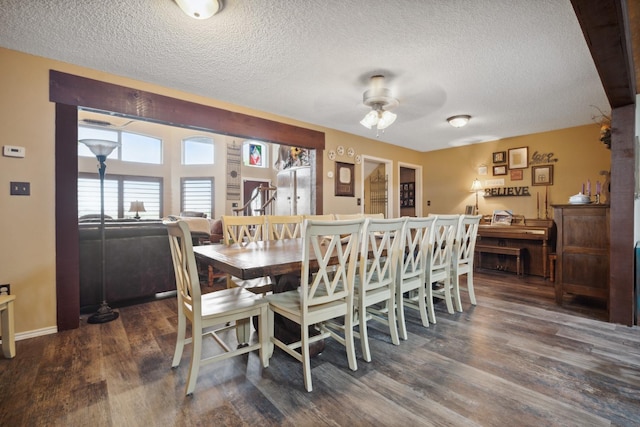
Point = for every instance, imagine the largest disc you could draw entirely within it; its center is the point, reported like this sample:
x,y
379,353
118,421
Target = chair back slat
x,y
416,235
281,227
380,249
334,246
241,229
466,239
443,236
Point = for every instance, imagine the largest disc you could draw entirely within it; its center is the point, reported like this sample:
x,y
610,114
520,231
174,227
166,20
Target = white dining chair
x,y
462,257
213,313
410,279
242,230
375,285
322,296
281,227
438,278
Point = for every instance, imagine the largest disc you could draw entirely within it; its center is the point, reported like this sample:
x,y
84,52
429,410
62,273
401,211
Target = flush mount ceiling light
x,y
459,121
380,100
200,9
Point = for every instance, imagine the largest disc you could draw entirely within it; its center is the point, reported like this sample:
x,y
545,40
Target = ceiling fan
x,y
379,98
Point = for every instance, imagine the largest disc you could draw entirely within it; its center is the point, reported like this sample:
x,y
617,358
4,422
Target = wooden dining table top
x,y
254,259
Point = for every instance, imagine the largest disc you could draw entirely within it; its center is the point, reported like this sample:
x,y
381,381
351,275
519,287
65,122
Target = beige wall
x,y
28,223
580,157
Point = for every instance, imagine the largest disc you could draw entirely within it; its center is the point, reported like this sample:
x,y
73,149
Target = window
x,y
197,194
141,149
198,150
119,192
135,147
254,154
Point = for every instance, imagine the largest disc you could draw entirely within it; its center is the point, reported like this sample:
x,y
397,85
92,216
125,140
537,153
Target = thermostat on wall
x,y
13,151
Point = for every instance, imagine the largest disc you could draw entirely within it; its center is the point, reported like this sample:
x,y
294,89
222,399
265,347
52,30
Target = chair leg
x,y
271,331
364,334
402,326
196,355
182,328
306,362
8,331
243,330
472,294
391,318
264,337
349,341
422,304
429,302
447,295
456,292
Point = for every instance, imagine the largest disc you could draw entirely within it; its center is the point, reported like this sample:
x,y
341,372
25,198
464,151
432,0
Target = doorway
x,y
410,189
252,197
376,184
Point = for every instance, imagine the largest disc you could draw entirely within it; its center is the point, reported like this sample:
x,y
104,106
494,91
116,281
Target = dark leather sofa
x,y
137,262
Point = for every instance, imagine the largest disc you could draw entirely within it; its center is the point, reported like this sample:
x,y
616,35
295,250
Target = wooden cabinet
x,y
582,251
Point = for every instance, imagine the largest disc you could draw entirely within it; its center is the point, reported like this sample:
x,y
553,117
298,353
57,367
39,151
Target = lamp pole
x,y
102,149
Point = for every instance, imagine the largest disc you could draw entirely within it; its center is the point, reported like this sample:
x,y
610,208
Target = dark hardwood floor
x,y
515,359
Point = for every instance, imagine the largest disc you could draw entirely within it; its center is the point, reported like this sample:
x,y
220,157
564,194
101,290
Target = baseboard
x,y
36,333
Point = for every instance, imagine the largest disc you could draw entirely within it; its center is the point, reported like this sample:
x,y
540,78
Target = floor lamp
x,y
102,148
476,186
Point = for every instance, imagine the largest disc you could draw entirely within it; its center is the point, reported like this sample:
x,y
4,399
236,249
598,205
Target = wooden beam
x,y
94,94
605,25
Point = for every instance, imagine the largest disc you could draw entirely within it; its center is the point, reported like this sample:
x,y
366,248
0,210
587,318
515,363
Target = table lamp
x,y
476,186
137,207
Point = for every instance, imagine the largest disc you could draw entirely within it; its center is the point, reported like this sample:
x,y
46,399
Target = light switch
x,y
20,189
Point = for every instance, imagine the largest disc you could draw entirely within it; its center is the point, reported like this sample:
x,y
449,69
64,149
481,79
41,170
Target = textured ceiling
x,y
516,66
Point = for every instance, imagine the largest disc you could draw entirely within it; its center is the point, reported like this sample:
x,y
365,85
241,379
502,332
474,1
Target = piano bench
x,y
502,250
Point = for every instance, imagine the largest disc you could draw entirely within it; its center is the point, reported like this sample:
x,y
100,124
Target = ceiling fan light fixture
x,y
459,121
370,120
199,9
386,119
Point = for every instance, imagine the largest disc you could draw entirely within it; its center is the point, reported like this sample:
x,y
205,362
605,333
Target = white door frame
x,y
388,170
418,184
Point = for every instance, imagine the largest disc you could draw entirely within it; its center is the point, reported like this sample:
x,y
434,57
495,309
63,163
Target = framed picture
x,y
344,179
542,175
499,170
499,157
516,174
468,210
518,158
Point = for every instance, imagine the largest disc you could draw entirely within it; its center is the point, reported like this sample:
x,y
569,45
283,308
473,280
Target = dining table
x,y
251,260
279,259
